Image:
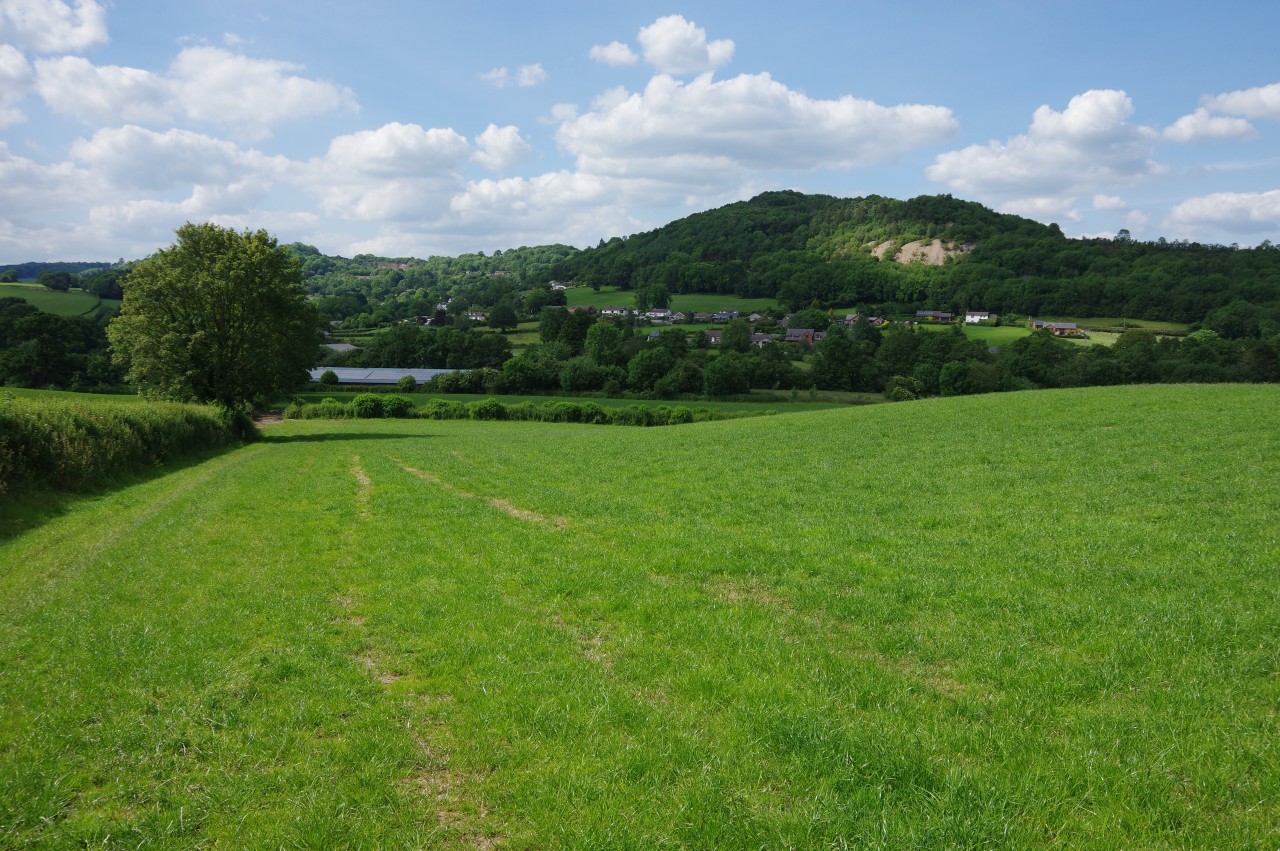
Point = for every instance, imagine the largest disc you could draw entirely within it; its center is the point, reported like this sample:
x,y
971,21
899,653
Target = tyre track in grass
x,y
448,794
499,503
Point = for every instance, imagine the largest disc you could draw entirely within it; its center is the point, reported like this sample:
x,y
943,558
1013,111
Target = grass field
x,y
1061,631
993,335
71,303
686,302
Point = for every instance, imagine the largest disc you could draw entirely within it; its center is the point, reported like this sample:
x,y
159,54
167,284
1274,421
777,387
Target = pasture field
x,y
687,302
993,335
71,303
1046,619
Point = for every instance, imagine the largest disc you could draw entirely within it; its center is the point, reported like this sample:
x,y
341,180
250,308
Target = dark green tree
x,y
219,316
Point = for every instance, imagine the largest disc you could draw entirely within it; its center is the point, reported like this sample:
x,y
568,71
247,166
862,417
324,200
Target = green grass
x,y
993,335
1059,631
71,303
686,302
26,393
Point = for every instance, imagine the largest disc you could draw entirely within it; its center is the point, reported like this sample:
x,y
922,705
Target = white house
x,y
973,317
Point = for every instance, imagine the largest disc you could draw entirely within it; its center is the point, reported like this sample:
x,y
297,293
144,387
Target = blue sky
x,y
412,129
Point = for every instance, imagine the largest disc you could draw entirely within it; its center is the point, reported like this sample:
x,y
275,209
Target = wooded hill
x,y
818,250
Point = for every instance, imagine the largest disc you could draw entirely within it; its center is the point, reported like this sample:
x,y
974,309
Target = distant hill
x,y
28,271
932,251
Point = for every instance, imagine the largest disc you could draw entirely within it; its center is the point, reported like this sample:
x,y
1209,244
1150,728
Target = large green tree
x,y
219,316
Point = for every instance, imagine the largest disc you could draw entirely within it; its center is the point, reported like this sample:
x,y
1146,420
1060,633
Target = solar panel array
x,y
378,375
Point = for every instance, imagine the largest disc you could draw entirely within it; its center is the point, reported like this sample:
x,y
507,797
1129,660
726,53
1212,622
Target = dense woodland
x,y
811,253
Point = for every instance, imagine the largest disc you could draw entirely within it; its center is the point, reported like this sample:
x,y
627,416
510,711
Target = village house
x,y
658,315
557,286
762,340
803,336
1058,329
973,317
933,316
477,315
614,311
581,308
714,336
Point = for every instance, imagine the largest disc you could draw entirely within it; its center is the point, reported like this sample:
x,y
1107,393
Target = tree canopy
x,y
219,316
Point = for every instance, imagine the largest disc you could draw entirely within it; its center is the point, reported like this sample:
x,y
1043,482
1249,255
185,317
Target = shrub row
x,y
71,445
372,405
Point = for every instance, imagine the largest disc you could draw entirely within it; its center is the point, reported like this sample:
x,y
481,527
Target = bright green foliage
x,y
219,316
64,444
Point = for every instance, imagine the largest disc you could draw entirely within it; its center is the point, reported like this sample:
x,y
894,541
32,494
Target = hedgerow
x,y
71,445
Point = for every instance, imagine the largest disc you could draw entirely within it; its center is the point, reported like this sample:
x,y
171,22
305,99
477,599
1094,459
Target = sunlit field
x,y
1041,619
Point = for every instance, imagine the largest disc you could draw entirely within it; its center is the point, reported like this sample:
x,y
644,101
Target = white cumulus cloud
x,y
614,53
52,26
1109,202
102,94
674,45
205,84
1258,102
1088,147
217,86
133,157
745,123
500,148
16,79
1200,126
1250,212
398,171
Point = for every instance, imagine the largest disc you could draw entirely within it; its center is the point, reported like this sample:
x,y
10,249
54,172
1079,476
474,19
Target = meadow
x,y
70,303
1046,619
686,302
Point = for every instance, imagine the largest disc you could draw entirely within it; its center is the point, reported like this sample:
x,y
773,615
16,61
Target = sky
x,y
412,129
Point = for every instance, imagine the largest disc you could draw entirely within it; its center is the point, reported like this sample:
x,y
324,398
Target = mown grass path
x,y
1045,619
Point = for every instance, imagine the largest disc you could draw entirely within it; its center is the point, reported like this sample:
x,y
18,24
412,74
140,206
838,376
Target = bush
x,y
487,409
443,409
67,445
328,377
398,406
406,384
367,406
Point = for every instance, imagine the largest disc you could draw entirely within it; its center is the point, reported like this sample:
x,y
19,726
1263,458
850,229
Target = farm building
x,y
365,375
1059,329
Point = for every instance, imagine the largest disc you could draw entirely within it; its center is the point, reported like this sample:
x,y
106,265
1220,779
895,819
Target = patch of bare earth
x,y
498,503
455,811
269,417
882,249
929,253
364,487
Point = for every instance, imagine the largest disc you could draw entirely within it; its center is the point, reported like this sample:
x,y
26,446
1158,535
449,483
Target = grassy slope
x,y
687,302
1010,620
71,303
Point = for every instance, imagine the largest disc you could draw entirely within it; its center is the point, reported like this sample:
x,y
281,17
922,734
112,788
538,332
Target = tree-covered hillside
x,y
819,250
379,290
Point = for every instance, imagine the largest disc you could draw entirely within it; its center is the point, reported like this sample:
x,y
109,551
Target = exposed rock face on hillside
x,y
930,253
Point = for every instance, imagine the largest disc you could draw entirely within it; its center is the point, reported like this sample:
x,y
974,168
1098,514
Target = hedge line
x,y
71,445
372,405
